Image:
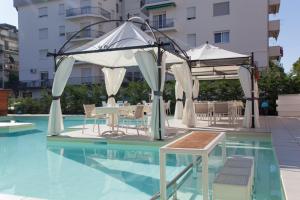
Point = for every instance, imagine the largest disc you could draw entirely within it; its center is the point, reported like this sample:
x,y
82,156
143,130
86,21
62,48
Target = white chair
x,y
90,113
137,116
168,107
203,111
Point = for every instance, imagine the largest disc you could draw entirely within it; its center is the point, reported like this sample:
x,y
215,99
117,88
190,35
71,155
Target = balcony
x,y
163,25
38,84
274,6
85,35
275,52
156,4
75,13
274,28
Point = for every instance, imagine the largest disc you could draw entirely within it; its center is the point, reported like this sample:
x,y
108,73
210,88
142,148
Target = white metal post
x,y
224,150
163,183
205,187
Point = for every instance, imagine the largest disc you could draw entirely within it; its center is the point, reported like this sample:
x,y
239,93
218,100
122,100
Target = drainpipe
x,y
252,89
159,58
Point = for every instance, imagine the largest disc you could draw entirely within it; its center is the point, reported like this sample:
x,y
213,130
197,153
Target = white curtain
x,y
179,102
183,75
196,89
148,66
113,80
245,80
55,124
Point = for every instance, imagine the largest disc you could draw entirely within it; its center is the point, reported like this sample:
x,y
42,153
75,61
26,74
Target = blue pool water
x,y
32,166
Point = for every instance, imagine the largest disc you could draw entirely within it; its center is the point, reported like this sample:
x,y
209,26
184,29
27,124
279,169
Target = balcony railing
x,y
85,34
275,52
73,12
160,24
37,84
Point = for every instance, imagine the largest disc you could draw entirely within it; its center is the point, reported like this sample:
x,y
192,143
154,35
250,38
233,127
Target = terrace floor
x,y
285,134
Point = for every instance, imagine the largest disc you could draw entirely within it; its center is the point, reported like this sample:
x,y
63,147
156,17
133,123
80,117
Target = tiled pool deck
x,y
286,142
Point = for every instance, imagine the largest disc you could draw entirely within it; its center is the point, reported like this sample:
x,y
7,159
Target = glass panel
x,y
218,37
191,40
225,37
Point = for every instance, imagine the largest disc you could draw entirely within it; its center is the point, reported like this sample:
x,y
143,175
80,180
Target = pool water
x,y
32,166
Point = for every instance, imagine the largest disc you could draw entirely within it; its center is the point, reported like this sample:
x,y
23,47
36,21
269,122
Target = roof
x,y
212,63
117,48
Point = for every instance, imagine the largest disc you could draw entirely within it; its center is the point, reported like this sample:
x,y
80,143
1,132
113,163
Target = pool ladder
x,y
173,183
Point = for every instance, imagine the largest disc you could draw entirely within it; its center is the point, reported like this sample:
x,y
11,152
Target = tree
x,y
296,68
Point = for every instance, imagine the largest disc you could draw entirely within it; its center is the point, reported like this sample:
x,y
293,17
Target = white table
x,y
195,143
113,112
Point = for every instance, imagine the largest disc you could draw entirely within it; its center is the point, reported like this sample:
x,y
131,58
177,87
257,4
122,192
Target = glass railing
x,y
72,12
167,23
85,34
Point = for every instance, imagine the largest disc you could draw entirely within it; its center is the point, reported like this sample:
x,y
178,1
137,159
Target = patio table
x,y
113,111
196,144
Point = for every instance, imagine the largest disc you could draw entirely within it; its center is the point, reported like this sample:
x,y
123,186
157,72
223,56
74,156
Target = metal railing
x,y
47,83
85,34
173,183
155,1
88,10
167,23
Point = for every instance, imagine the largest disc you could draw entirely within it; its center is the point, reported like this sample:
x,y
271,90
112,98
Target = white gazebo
x,y
209,62
125,46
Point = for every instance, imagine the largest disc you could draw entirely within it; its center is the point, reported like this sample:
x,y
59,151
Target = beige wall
x,y
247,23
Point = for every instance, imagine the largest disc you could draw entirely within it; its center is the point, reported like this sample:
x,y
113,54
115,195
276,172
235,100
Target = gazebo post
x,y
159,58
252,89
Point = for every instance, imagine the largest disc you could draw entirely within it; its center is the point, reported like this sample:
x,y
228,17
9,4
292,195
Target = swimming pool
x,y
32,166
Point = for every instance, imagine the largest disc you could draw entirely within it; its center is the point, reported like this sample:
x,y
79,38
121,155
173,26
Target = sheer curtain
x,y
245,80
148,66
196,89
183,76
55,124
113,80
179,101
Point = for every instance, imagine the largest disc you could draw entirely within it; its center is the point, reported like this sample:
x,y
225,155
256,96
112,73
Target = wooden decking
x,y
196,140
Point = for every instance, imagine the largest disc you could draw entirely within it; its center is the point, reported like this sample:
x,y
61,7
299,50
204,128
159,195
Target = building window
x,y
43,12
43,33
220,9
62,31
117,8
159,21
43,54
191,40
191,13
61,9
222,37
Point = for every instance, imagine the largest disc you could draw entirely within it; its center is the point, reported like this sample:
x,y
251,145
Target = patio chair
x,y
220,109
203,111
137,116
168,107
90,113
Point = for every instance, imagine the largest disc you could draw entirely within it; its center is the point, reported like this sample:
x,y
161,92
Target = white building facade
x,y
242,26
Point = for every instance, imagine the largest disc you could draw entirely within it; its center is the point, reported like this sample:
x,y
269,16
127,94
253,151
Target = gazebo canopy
x,y
210,62
117,48
125,46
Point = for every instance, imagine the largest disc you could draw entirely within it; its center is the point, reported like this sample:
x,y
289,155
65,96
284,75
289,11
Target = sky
x,y
289,15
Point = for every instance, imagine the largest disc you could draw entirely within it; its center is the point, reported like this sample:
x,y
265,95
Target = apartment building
x,y
242,26
44,25
8,52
